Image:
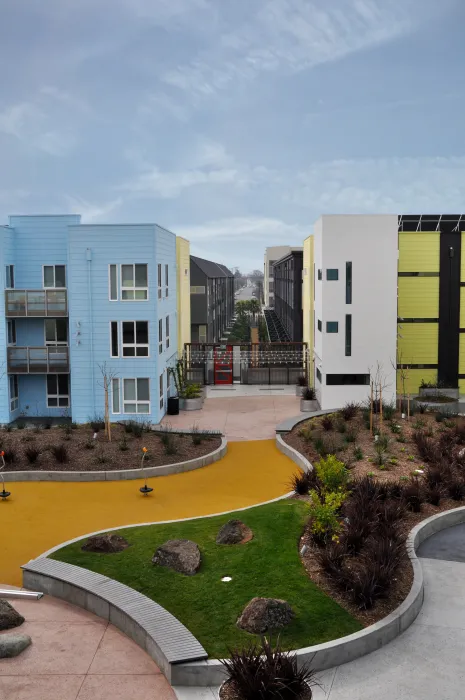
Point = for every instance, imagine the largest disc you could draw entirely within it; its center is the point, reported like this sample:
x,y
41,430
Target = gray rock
x,y
105,544
9,617
182,556
264,614
234,532
13,644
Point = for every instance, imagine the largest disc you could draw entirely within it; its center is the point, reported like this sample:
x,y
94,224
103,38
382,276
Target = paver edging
x,y
122,474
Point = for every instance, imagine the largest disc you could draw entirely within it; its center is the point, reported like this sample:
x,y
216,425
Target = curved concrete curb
x,y
122,474
293,454
287,425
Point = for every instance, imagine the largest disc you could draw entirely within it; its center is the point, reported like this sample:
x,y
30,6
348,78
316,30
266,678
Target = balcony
x,y
38,360
36,302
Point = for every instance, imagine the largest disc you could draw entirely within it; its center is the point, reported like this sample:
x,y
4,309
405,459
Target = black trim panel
x,y
408,366
418,274
449,304
417,320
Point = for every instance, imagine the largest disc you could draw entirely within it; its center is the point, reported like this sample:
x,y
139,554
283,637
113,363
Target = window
x,y
14,393
332,275
134,283
161,391
348,283
320,276
318,375
115,402
160,336
57,390
114,340
319,325
11,329
332,327
167,331
159,280
202,334
56,331
271,286
54,276
197,290
135,335
10,276
348,379
167,280
348,335
136,396
113,282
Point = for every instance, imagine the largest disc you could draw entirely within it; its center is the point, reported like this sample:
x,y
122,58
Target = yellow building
x,y
183,283
308,303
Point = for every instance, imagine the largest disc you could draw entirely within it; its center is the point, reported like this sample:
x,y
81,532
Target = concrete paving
x,y
245,294
448,545
424,663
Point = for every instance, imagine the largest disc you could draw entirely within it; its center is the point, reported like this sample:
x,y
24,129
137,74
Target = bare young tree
x,y
107,377
379,383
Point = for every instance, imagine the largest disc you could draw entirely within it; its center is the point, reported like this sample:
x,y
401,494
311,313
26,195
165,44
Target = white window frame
x,y
13,388
167,332
11,324
160,336
9,276
117,280
55,343
136,401
133,288
161,388
159,280
57,396
135,344
167,280
203,325
117,338
115,382
54,276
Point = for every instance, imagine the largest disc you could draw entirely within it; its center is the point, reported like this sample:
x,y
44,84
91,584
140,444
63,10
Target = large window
x,y
159,281
115,399
348,283
202,334
114,339
54,276
332,327
348,379
136,395
135,336
14,393
167,331
162,391
332,275
10,276
167,280
56,331
57,390
160,336
319,325
113,282
134,283
348,335
318,375
11,329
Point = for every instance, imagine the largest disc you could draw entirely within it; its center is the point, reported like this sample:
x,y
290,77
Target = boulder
x,y
13,644
105,544
265,614
234,532
182,556
9,617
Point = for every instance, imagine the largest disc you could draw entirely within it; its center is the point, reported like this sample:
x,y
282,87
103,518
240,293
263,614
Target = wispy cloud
x,y
92,213
248,228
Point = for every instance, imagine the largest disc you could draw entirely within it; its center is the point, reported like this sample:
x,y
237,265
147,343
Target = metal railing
x,y
36,302
38,360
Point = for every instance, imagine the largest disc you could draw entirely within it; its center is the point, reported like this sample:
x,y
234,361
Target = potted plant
x,y
308,402
264,673
301,384
191,398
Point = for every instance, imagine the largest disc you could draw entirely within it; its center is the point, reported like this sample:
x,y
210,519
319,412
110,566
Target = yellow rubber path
x,y
41,515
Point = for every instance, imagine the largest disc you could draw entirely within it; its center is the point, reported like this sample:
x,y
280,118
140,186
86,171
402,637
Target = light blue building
x,y
79,298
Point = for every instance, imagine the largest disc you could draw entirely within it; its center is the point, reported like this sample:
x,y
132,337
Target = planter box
x,y
308,405
452,406
453,393
191,404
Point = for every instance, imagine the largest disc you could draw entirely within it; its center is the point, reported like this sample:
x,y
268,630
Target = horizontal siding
x,y
413,379
419,252
462,307
418,297
462,259
418,343
462,354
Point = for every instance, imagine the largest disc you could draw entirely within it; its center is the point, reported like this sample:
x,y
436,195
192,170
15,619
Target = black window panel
x,y
142,332
142,352
348,379
128,332
63,401
141,275
332,327
160,330
60,276
319,325
167,326
318,374
114,338
320,276
51,403
348,283
348,335
51,384
62,383
332,275
129,351
62,330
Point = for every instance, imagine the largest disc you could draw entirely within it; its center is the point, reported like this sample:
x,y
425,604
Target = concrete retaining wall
x,y
121,474
293,454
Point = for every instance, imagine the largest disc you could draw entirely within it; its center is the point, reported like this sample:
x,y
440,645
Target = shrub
x,y
301,380
423,408
389,410
123,444
419,423
383,556
433,495
433,476
137,429
456,489
300,483
28,438
351,435
327,423
324,515
331,559
341,426
426,446
9,456
101,458
381,454
309,394
60,453
89,444
319,445
97,423
67,429
170,445
401,438
264,673
364,588
191,391
8,428
47,424
197,436
383,441
32,455
349,411
20,425
306,433
413,495
358,453
395,428
358,528
128,426
331,473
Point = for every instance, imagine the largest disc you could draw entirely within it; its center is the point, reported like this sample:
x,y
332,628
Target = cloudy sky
x,y
235,123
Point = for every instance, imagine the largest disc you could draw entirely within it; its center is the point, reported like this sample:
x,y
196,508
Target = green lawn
x,y
267,566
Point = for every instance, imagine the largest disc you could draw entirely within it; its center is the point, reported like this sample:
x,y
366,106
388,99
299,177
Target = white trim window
x,y
115,396
202,334
113,282
134,282
159,281
136,395
14,392
167,331
9,276
56,331
114,339
160,336
135,338
11,331
54,276
167,280
162,390
57,390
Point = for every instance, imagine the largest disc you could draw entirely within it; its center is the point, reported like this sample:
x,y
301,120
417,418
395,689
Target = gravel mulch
x,y
86,453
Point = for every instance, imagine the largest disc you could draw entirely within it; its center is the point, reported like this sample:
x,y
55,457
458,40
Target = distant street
x,y
245,294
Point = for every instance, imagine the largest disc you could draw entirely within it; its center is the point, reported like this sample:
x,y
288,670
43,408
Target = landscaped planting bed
x,y
86,448
268,565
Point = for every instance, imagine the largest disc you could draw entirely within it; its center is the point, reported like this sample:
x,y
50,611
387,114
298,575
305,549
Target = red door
x,y
224,365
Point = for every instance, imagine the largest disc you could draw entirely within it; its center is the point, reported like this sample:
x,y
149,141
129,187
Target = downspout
x,y
91,326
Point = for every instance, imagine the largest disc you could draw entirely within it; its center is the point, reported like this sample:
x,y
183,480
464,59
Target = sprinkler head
x,y
4,494
145,490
